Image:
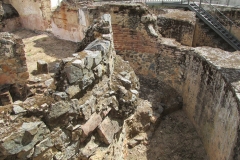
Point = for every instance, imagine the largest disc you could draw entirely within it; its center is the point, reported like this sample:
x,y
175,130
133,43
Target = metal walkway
x,y
206,17
215,25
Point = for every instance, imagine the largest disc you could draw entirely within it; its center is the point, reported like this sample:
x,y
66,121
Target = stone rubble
x,y
92,98
42,67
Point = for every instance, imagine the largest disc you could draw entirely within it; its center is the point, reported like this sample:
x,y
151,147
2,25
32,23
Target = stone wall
x,y
34,15
13,68
9,18
187,29
133,31
206,78
13,61
66,20
210,97
69,22
177,24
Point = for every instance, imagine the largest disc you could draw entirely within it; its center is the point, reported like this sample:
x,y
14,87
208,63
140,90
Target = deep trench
x,y
174,136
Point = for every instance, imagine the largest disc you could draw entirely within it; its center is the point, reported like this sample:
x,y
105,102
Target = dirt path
x,y
176,139
44,47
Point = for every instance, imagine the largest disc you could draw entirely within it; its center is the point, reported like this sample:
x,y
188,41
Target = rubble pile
x,y
90,109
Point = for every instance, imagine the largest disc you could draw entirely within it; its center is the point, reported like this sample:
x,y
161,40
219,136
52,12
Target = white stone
x,y
82,19
78,63
17,109
152,30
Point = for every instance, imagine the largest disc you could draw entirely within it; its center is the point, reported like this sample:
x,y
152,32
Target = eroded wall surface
x,y
62,18
211,100
69,23
232,13
177,24
13,68
9,18
34,14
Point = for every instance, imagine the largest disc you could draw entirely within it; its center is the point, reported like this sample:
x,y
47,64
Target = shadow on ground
x,y
174,137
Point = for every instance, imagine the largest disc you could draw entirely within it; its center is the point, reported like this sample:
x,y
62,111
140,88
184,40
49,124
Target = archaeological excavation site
x,y
119,80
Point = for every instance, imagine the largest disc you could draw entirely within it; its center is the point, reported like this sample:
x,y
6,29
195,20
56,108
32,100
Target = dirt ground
x,y
174,139
44,47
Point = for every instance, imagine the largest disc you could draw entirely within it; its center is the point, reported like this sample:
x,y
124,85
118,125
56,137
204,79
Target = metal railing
x,y
223,19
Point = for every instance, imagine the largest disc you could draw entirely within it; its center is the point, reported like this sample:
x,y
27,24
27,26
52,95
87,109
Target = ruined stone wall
x,y
130,33
133,33
9,25
13,62
177,24
202,77
187,29
9,18
210,99
34,15
69,23
64,19
13,68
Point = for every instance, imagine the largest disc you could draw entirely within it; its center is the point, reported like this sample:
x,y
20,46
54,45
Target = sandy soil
x,y
174,139
40,46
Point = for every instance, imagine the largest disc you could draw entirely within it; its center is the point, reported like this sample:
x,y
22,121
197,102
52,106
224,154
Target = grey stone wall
x,y
13,67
